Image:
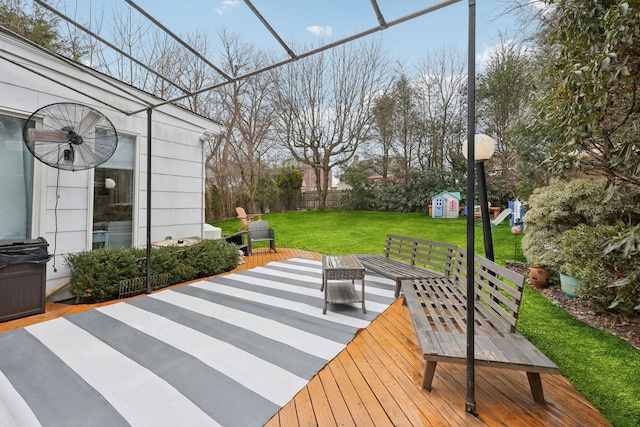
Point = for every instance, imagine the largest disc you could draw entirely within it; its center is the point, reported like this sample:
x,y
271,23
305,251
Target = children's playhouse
x,y
445,205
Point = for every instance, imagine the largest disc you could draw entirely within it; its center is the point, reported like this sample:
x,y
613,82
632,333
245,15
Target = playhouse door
x,y
438,208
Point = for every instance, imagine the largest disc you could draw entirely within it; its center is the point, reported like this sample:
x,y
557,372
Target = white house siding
x,y
177,156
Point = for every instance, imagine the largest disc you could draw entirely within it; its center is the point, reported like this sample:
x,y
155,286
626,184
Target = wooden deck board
x,y
377,380
320,403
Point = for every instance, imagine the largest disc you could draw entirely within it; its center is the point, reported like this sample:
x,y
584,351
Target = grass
x,y
343,232
605,369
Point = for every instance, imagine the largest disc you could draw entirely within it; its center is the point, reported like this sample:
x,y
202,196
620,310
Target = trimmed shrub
x,y
96,275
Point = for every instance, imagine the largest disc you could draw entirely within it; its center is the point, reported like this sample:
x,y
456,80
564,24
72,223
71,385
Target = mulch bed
x,y
625,328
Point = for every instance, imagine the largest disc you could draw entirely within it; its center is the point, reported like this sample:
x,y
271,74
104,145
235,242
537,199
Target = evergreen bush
x,y
96,275
554,209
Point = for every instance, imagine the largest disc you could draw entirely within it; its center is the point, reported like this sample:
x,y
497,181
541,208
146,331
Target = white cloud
x,y
537,4
320,31
541,8
226,6
482,58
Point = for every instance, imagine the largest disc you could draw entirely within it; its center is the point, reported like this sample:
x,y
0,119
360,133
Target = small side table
x,y
185,241
342,271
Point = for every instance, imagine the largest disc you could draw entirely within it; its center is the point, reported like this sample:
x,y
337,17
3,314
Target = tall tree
x,y
325,106
383,130
502,94
441,85
405,125
594,98
245,108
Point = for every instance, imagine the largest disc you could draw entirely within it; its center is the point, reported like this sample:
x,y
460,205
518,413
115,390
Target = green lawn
x,y
605,369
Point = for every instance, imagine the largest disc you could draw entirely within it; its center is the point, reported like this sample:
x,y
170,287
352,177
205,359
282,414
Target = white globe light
x,y
109,183
485,146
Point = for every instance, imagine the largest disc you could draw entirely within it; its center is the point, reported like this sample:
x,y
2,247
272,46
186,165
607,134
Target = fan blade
x,y
88,122
48,135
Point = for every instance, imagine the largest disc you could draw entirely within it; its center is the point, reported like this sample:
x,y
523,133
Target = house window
x,y
16,180
113,197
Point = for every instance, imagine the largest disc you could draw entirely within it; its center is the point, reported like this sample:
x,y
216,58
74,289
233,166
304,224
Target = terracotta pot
x,y
539,276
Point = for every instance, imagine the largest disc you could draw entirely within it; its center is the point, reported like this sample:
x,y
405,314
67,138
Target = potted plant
x,y
543,250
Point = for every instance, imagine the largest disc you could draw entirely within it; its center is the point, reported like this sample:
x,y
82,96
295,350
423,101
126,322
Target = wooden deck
x,y
376,380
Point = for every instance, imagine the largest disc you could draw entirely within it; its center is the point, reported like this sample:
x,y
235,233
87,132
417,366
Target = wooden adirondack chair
x,y
244,218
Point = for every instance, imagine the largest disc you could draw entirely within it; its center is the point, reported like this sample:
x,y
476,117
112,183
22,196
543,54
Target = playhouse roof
x,y
448,194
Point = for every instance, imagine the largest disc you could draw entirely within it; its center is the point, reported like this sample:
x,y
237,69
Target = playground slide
x,y
505,213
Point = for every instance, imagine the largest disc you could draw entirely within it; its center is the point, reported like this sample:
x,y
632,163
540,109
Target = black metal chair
x,y
259,231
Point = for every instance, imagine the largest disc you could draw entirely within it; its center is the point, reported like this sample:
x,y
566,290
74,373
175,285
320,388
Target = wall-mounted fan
x,y
72,137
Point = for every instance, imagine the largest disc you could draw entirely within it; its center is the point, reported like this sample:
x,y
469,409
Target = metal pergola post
x,y
149,111
470,404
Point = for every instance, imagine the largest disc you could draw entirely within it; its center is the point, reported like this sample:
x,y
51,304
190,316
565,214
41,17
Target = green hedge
x,y
96,275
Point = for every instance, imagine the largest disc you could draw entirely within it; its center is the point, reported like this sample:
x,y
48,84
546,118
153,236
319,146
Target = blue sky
x,y
312,21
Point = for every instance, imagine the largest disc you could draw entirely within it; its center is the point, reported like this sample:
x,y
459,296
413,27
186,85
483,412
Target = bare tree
x,y
128,35
245,109
441,86
383,128
406,125
325,106
503,94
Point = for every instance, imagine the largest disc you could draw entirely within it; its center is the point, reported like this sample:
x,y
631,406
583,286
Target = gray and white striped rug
x,y
227,351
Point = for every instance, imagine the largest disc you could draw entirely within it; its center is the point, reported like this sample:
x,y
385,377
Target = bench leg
x,y
324,304
398,286
429,372
364,310
536,387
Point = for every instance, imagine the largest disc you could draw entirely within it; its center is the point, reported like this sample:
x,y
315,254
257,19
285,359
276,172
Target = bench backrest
x,y
436,256
498,289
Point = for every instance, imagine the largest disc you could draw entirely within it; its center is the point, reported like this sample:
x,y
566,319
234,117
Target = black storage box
x,y
23,277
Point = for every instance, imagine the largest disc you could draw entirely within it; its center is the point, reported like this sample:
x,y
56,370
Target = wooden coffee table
x,y
339,273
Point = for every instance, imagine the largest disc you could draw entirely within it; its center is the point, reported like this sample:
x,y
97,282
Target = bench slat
x,y
439,313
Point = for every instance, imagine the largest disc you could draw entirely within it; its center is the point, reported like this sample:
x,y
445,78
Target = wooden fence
x,y
311,200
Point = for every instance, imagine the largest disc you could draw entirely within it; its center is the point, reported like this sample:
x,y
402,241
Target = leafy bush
x,y
609,278
560,207
96,275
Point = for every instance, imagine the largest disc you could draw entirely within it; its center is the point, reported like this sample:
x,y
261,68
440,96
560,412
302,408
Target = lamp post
x,y
484,148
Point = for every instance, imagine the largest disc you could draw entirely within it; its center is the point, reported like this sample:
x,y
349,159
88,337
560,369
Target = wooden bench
x,y
438,310
408,258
